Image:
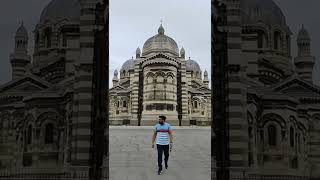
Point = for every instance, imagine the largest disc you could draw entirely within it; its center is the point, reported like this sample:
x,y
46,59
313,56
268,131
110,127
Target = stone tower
x,y
19,58
304,62
115,79
206,79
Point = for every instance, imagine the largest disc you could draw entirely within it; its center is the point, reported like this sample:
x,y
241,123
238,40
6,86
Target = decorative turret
x,y
161,30
206,79
182,53
19,58
115,79
304,62
303,42
138,53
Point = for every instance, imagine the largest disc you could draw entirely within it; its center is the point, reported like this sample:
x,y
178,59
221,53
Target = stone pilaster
x,y
237,92
135,94
184,94
82,109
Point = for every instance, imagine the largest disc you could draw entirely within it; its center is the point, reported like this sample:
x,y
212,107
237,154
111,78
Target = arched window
x,y
37,39
29,135
272,135
288,44
195,104
118,105
169,79
150,79
124,103
276,40
49,134
299,142
64,40
160,79
260,39
250,132
47,38
291,137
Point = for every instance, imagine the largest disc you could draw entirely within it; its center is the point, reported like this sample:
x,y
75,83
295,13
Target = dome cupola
x,y
265,11
128,65
22,32
182,53
138,53
58,10
193,67
303,35
161,30
160,43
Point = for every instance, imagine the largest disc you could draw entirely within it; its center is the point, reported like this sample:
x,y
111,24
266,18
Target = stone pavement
x,y
132,158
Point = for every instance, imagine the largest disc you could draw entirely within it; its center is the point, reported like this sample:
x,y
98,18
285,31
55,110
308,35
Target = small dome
x,y
22,31
192,66
266,11
160,43
61,9
303,35
205,79
182,51
115,73
128,65
138,51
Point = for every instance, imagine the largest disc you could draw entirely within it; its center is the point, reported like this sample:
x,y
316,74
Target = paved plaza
x,y
132,157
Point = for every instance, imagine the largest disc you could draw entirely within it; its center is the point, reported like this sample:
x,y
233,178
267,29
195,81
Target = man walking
x,y
163,133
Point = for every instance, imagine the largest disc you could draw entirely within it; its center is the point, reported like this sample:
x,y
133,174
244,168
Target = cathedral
x,y
273,104
45,110
160,81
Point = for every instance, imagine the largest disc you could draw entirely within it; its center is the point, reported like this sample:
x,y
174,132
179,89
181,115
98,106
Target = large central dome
x,y
160,43
61,9
266,11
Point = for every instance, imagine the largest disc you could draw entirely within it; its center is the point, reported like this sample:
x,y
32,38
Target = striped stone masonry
x,y
82,109
185,121
238,137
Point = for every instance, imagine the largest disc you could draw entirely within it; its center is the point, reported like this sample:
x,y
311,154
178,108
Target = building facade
x,y
45,110
160,81
273,109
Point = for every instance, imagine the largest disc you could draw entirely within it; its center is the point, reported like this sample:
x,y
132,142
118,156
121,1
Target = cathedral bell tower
x,y
19,59
206,79
304,62
115,79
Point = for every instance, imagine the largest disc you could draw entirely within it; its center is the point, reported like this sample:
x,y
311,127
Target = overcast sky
x,y
133,22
